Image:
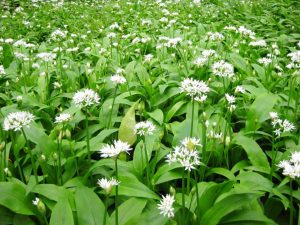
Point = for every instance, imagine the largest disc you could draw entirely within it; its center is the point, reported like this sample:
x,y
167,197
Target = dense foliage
x,y
149,112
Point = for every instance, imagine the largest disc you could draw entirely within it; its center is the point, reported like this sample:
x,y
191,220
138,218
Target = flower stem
x,y
192,119
291,203
105,211
197,195
183,184
273,158
147,162
87,137
59,143
116,196
112,107
31,156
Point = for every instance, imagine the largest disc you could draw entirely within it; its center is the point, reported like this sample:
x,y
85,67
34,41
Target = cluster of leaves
x,y
154,45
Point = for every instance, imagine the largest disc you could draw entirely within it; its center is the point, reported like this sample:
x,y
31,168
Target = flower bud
x,y
172,191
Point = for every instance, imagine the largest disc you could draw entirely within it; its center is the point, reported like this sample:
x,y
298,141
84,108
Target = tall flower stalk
x,y
113,151
85,99
144,129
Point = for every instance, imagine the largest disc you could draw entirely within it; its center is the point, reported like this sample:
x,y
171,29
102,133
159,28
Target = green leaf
x,y
157,115
175,108
90,209
130,209
126,130
240,63
225,206
52,192
259,111
22,220
247,216
255,181
13,196
62,214
132,187
254,152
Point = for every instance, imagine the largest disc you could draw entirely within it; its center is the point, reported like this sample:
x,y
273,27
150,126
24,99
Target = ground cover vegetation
x,y
149,112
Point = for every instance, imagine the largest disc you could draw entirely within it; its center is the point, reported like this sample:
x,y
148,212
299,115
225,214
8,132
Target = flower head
x,y
107,185
144,128
2,71
166,206
115,149
194,88
36,201
117,79
62,118
291,167
17,120
86,97
223,69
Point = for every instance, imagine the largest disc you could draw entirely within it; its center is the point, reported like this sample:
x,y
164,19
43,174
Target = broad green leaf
x,y
225,206
175,108
157,115
22,220
126,130
255,154
128,210
259,111
240,63
62,214
132,187
223,172
52,192
89,207
255,181
247,217
13,196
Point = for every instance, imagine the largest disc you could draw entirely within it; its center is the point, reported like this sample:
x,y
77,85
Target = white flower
x,y
115,149
295,158
118,79
291,167
187,156
148,58
258,43
36,201
62,118
144,128
280,125
191,142
230,99
201,61
240,89
208,53
17,120
107,185
86,97
58,34
166,206
265,61
47,57
2,71
214,36
194,88
223,69
288,126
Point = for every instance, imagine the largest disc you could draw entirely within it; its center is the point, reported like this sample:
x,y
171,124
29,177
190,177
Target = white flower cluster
x,y
46,57
86,97
223,69
291,167
107,185
169,42
204,58
265,61
144,128
281,126
194,88
118,79
231,102
36,201
258,43
166,206
186,154
62,118
2,70
295,58
115,149
17,120
214,36
58,35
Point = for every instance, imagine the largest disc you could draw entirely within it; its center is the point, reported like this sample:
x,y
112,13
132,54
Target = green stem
x,y
112,107
18,160
291,203
31,156
87,137
116,197
183,184
105,211
45,219
197,195
147,162
188,182
192,119
273,158
59,143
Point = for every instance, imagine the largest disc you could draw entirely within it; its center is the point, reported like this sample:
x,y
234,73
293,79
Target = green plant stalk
x,y
45,219
116,196
192,119
112,107
105,211
188,182
18,164
183,189
87,137
202,172
147,160
31,156
291,203
59,143
273,157
197,196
